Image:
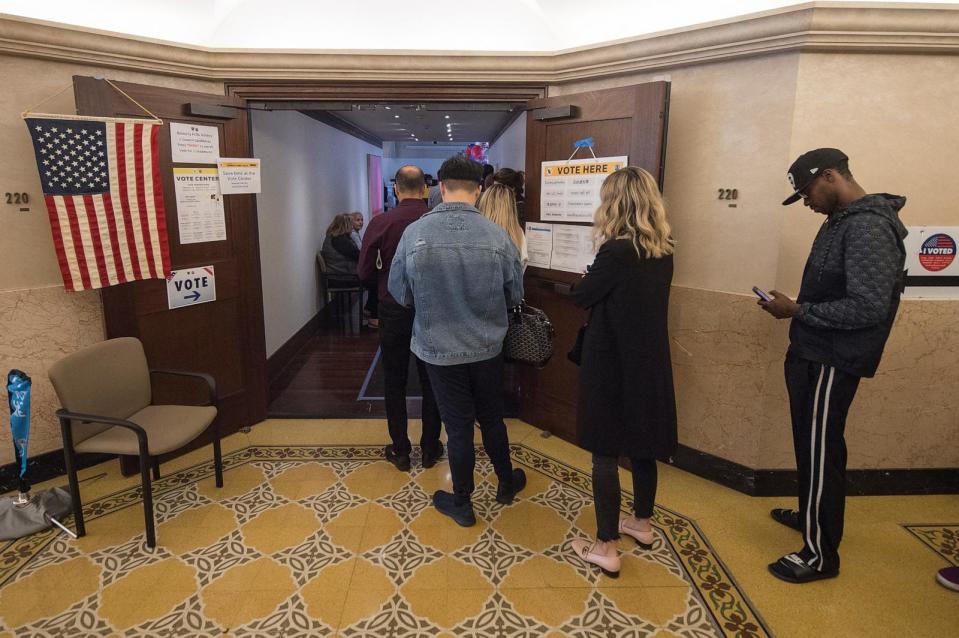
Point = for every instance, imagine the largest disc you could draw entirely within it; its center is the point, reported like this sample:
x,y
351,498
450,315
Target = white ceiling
x,y
490,25
430,122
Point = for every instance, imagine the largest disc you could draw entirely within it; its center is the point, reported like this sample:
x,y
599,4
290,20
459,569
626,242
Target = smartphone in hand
x,y
762,294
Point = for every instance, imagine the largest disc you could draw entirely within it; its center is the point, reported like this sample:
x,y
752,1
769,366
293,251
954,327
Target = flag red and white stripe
x,y
109,228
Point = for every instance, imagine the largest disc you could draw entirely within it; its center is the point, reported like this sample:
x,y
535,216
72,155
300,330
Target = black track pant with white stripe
x,y
819,399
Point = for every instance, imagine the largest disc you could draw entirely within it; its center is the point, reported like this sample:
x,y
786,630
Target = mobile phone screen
x,y
762,294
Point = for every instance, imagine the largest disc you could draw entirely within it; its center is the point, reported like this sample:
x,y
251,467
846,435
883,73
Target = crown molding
x,y
810,27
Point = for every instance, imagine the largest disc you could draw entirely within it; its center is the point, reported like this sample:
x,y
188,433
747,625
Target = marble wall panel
x,y
731,397
37,328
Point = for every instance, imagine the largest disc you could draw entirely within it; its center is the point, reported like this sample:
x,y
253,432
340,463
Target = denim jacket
x,y
461,272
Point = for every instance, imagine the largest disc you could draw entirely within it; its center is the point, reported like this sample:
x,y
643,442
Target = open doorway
x,y
326,158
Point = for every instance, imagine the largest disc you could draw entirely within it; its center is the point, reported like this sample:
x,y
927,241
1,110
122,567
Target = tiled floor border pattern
x,y
942,538
733,615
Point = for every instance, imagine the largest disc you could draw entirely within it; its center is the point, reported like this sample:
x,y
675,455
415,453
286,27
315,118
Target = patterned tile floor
x,y
324,540
313,534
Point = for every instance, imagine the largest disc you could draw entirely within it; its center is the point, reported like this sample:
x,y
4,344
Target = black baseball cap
x,y
808,166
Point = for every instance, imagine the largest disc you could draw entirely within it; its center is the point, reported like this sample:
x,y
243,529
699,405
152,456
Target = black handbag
x,y
529,337
576,352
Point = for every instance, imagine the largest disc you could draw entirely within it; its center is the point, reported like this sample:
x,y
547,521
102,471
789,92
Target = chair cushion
x,y
168,428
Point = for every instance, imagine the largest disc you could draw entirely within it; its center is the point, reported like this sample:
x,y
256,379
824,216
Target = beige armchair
x,y
106,398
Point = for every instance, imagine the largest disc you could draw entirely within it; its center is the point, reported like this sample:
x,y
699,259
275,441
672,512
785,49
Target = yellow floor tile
x,y
49,591
156,588
195,528
303,480
280,527
552,607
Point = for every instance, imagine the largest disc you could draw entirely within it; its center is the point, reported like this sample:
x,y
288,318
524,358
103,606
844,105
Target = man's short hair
x,y
460,173
410,179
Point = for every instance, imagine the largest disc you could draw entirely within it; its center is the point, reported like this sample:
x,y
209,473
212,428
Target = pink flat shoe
x,y
584,550
643,539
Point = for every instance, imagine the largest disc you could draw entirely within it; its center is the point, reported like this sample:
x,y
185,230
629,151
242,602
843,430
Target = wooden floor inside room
x,y
324,378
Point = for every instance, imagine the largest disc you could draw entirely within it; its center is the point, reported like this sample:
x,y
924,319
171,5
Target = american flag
x,y
101,184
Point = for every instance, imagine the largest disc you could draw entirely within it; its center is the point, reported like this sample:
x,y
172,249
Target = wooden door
x,y
225,337
627,121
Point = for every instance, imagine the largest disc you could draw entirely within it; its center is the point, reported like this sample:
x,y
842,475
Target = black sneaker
x,y
446,504
787,517
506,492
430,458
401,461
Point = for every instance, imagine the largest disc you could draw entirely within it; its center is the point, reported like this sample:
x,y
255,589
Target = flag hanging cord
x,y
30,112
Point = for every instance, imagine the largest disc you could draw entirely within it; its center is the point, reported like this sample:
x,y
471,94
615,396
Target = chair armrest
x,y
108,420
210,381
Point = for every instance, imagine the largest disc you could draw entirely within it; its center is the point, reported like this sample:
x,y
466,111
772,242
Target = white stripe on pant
x,y
818,466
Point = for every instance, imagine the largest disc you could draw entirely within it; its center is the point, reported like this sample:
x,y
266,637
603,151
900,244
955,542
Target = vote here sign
x,y
569,189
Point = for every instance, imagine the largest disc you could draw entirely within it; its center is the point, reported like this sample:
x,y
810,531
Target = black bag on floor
x,y
529,337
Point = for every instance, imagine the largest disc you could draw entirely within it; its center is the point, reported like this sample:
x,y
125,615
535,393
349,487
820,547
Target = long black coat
x,y
626,402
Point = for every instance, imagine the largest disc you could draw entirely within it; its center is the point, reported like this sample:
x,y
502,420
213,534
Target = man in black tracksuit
x,y
847,303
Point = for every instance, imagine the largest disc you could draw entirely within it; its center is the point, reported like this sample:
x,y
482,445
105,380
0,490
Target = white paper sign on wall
x,y
190,287
932,262
194,143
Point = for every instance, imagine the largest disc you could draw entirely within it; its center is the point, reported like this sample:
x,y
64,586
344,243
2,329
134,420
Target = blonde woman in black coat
x,y
626,402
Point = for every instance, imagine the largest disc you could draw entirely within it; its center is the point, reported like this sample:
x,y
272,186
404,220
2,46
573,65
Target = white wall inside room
x,y
509,149
311,172
427,156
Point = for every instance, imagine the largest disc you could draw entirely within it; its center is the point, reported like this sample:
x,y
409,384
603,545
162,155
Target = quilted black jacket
x,y
851,286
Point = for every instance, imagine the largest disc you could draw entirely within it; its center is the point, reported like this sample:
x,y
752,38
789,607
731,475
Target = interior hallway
x,y
313,534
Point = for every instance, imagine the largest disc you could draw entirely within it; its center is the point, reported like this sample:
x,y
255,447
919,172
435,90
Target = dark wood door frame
x,y
382,91
386,91
140,308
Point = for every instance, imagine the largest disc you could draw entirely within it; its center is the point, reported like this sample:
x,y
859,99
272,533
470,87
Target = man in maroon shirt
x,y
396,322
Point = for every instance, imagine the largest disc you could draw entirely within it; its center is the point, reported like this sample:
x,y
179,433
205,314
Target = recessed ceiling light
x,y
397,116
447,116
387,108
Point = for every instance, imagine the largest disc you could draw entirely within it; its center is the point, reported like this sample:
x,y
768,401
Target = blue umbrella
x,y
27,514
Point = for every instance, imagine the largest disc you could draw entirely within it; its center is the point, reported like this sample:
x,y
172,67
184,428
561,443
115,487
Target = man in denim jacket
x,y
462,272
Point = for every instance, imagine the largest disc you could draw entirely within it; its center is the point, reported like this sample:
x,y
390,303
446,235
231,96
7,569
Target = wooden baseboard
x,y
276,362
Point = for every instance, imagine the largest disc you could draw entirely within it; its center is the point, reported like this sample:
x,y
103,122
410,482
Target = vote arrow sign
x,y
191,286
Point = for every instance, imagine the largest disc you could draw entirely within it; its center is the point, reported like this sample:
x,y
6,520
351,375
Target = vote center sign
x,y
569,189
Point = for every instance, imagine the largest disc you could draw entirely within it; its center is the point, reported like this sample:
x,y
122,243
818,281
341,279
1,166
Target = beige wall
x,y
735,122
738,125
40,322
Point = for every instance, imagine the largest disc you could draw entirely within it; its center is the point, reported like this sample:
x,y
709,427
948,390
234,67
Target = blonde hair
x,y
342,224
631,207
498,204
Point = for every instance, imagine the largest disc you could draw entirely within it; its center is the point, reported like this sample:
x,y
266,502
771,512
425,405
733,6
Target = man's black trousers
x,y
470,393
396,330
819,399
